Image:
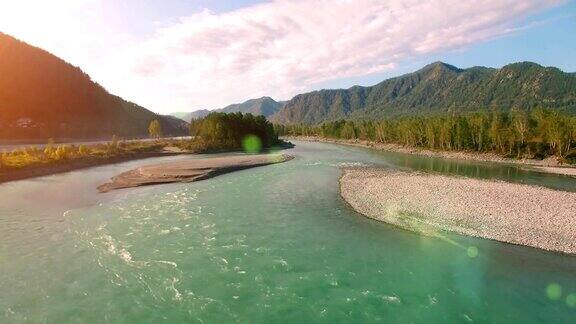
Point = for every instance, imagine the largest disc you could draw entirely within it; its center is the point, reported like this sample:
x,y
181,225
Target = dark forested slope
x,y
42,96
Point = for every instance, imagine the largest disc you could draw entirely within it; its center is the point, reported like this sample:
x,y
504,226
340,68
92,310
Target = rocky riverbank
x,y
427,203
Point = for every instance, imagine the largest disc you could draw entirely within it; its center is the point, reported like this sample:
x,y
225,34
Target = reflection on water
x,y
272,244
482,170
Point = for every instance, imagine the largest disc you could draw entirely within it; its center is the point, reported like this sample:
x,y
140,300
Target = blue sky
x,y
551,41
183,55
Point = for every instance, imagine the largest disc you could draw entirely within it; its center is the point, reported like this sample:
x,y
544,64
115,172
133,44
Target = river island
x,y
190,170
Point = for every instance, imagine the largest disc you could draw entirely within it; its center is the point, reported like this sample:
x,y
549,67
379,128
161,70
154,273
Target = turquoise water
x,y
272,244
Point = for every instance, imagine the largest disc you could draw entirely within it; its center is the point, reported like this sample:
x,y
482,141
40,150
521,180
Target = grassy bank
x,y
216,133
33,161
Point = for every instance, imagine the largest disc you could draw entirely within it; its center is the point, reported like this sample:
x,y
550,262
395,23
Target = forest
x,y
519,134
233,131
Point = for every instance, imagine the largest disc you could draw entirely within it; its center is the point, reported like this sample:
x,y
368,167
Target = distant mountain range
x,y
264,106
42,96
188,116
435,89
438,88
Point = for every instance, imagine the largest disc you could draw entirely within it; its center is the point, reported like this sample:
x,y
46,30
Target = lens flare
x,y
472,251
554,291
571,300
252,144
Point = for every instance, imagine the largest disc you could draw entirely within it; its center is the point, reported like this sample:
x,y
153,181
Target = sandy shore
x,y
549,165
425,203
190,170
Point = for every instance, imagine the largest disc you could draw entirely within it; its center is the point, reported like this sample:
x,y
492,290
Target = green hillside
x,y
439,88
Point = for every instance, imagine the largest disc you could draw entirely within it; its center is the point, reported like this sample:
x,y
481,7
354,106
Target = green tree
x,y
495,131
237,131
520,125
538,134
155,129
478,126
348,131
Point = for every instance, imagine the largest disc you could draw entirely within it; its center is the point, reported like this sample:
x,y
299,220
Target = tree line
x,y
225,131
536,134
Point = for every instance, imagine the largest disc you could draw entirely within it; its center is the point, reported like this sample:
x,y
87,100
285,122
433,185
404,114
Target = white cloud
x,y
284,47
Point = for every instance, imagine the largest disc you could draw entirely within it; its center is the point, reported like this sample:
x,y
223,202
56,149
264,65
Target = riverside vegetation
x,y
34,156
221,131
36,162
216,132
538,134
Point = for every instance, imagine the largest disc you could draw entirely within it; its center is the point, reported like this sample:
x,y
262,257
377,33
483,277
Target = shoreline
x,y
8,175
428,204
190,170
549,165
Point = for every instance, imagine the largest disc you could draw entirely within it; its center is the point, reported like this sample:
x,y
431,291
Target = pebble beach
x,y
427,203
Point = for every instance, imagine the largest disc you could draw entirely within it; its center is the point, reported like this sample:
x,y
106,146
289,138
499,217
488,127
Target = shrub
x,y
83,150
61,153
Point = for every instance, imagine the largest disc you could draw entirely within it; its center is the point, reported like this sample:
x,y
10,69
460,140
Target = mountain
x,y
174,125
438,88
197,114
264,106
180,115
188,116
42,96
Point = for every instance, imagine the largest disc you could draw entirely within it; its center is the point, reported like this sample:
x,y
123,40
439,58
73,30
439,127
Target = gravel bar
x,y
507,212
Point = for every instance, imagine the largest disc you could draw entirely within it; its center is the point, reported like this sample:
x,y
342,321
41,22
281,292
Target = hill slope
x,y
438,88
192,115
264,106
42,96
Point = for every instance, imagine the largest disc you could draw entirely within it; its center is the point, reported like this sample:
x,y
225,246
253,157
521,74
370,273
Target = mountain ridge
x,y
265,106
438,88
